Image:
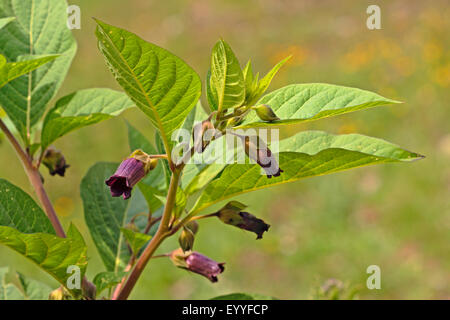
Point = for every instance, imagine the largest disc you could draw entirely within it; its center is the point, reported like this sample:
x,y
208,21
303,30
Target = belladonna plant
x,y
160,189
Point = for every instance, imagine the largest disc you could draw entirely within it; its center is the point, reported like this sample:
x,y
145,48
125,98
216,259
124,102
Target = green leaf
x,y
205,176
136,240
306,154
227,80
32,34
313,142
5,21
8,291
211,95
151,196
13,70
18,210
305,102
248,79
80,109
106,280
243,296
264,83
106,215
32,289
53,254
137,140
180,202
162,85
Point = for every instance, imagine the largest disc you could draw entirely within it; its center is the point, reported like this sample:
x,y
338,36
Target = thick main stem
x,y
35,180
161,234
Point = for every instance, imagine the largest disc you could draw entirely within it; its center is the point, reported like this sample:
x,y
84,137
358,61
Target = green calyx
x,y
149,162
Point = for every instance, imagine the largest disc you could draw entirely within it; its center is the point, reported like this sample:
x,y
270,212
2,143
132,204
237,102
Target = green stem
x,y
161,234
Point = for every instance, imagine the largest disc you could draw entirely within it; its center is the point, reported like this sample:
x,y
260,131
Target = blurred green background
x,y
396,216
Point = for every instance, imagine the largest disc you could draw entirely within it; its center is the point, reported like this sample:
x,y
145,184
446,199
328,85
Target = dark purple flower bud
x,y
197,263
258,151
129,173
232,214
55,162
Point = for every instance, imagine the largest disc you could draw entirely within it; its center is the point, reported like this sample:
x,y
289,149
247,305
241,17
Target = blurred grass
x,y
395,216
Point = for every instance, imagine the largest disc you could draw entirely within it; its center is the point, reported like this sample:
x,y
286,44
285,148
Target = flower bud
x,y
129,173
197,263
231,214
55,162
186,239
187,236
200,140
59,294
258,151
265,113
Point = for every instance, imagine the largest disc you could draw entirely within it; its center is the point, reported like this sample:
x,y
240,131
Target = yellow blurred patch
x,y
442,76
432,51
348,128
358,57
299,55
2,112
64,206
405,66
388,48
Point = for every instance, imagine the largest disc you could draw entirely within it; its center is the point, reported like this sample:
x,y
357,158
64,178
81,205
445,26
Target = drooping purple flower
x,y
130,172
267,161
203,133
197,263
55,162
258,151
253,224
232,214
204,266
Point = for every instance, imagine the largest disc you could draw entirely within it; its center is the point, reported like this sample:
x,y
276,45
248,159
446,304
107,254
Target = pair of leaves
x,y
34,33
51,253
25,228
29,289
162,85
307,154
